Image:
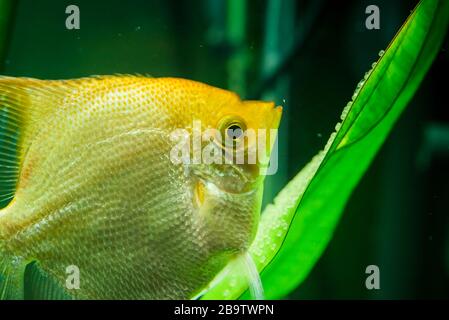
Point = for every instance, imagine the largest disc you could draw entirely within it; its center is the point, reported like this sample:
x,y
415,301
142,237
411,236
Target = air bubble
x,y
381,53
337,126
346,110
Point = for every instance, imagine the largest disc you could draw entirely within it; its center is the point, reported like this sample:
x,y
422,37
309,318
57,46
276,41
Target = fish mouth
x,y
235,180
277,115
203,188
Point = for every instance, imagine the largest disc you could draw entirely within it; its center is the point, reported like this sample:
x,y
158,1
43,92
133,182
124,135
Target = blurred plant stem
x,y
292,46
279,38
6,8
236,34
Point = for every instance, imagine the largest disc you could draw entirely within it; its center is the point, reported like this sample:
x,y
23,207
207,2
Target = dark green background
x,y
398,216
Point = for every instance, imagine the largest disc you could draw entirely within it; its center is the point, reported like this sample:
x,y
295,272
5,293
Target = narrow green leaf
x,y
296,229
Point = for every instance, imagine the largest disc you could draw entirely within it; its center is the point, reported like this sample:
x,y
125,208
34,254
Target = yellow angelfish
x,y
93,187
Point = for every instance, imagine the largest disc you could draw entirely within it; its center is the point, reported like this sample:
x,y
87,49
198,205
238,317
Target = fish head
x,y
238,139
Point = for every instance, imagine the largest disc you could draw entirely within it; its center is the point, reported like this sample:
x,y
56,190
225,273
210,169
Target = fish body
x,y
95,187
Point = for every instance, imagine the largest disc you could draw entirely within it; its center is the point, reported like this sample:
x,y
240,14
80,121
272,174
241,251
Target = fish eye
x,y
232,128
234,131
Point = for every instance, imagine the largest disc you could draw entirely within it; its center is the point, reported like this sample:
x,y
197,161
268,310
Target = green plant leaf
x,y
295,230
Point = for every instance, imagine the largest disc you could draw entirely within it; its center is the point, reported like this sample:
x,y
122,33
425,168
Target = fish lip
x,y
211,186
278,110
249,189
